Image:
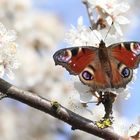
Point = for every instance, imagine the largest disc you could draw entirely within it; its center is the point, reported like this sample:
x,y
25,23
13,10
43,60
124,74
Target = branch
x,y
57,111
100,23
90,14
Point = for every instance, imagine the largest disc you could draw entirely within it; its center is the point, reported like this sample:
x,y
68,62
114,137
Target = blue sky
x,y
69,11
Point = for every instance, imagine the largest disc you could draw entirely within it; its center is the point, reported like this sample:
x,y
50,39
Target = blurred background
x,y
41,27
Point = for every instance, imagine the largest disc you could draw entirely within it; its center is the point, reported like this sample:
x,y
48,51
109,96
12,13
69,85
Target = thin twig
x,y
57,111
90,15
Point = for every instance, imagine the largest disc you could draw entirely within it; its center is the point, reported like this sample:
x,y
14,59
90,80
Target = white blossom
x,y
72,102
8,52
84,91
6,36
133,130
83,36
111,11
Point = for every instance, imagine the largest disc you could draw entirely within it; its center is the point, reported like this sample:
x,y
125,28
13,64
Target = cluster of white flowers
x,y
37,35
39,32
8,52
110,11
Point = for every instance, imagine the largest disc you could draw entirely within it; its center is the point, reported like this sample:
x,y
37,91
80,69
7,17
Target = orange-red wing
x,y
127,53
75,59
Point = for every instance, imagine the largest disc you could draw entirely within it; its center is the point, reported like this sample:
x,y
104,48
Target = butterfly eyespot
x,y
124,71
87,75
64,56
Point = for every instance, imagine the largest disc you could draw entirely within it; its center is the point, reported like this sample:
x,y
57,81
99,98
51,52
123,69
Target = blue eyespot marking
x,y
125,72
87,75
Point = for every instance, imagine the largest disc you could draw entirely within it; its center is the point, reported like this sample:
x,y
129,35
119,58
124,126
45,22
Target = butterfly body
x,y
104,59
102,67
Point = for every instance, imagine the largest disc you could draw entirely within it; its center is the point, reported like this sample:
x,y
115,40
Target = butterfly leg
x,y
107,99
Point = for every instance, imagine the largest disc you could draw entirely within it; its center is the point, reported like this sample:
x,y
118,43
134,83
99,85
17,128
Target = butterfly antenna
x,y
108,31
95,35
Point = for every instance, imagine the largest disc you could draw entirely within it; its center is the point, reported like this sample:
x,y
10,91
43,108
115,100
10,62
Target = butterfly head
x,y
102,44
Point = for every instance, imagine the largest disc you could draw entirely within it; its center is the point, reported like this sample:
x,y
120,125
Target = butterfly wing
x,y
124,57
127,53
75,59
84,62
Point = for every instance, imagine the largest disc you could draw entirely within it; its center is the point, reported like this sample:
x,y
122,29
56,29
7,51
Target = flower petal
x,y
2,29
10,35
133,130
122,7
118,28
80,21
85,97
122,20
109,20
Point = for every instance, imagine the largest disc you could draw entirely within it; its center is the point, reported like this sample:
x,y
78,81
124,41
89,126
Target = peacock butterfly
x,y
102,67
